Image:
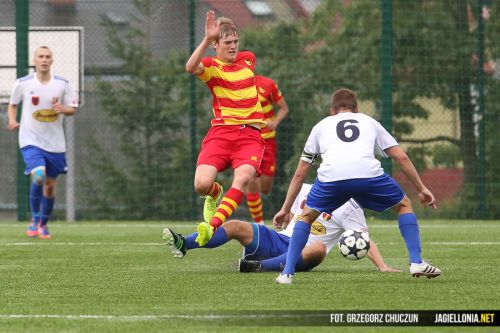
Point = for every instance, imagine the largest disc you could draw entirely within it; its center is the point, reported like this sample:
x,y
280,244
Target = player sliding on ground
x,y
234,139
347,141
265,249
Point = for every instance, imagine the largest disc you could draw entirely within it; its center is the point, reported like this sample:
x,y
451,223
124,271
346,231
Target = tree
x,y
146,177
434,47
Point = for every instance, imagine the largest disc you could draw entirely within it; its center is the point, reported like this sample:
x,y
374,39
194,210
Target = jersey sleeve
x,y
311,149
207,73
16,95
275,92
384,140
296,206
70,97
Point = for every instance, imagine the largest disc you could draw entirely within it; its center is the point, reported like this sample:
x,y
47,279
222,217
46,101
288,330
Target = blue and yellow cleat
x,y
210,206
205,233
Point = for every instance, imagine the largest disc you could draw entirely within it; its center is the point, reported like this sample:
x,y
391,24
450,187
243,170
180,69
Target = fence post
x,y
22,26
480,187
386,65
192,106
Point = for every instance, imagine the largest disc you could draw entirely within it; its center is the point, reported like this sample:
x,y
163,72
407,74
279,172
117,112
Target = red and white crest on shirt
x,y
35,100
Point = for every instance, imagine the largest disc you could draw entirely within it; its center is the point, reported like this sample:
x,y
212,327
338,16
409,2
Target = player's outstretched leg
x,y
424,269
211,200
176,241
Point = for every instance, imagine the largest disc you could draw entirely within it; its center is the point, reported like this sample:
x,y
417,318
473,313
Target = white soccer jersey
x,y
347,143
40,126
328,227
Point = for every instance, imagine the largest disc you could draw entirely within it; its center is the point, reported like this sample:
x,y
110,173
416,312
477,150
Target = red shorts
x,y
232,145
268,165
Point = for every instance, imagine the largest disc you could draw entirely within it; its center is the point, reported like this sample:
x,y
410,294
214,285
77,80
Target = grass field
x,y
120,277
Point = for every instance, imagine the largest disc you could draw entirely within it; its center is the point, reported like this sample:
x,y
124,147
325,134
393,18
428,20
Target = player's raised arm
x,y
212,30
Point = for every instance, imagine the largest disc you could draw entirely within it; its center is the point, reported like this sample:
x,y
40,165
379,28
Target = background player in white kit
x,y
347,142
45,98
265,249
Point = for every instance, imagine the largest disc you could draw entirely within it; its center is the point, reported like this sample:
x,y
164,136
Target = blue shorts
x,y
266,243
54,163
378,193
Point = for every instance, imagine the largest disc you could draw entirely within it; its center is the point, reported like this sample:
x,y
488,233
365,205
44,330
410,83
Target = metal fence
x,y
428,70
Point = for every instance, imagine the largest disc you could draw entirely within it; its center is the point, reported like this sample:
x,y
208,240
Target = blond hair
x,y
227,28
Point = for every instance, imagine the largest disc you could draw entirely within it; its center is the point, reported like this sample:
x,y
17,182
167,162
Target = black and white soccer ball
x,y
354,244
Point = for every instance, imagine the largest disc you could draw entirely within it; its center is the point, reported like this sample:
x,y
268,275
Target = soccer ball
x,y
354,244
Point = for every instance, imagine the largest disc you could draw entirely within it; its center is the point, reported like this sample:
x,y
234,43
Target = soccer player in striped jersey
x,y
265,249
269,96
45,98
347,141
234,139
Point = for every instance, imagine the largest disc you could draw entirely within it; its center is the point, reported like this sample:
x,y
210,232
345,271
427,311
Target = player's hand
x,y
12,125
388,269
427,198
280,219
212,27
272,125
56,106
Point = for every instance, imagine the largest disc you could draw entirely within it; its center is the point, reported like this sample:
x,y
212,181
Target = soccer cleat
x,y
424,269
249,266
32,230
285,279
210,206
177,242
43,232
205,232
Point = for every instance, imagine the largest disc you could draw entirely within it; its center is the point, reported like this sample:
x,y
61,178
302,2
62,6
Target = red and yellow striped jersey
x,y
235,98
269,94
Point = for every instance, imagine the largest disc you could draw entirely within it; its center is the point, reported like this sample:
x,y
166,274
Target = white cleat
x,y
424,269
285,279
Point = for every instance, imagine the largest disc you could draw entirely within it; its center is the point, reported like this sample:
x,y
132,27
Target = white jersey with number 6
x,y
328,227
40,126
347,143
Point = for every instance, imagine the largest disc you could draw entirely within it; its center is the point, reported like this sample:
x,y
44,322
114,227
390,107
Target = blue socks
x,y
36,192
47,208
408,227
277,263
297,242
219,238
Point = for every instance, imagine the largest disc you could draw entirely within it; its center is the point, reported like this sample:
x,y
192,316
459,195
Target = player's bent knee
x,y
404,206
38,177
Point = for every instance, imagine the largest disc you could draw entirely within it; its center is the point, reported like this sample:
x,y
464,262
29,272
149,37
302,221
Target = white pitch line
x,y
108,225
389,224
445,243
154,317
49,243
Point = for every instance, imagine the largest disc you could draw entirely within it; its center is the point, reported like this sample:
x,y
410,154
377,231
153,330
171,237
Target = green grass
x,y
124,278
